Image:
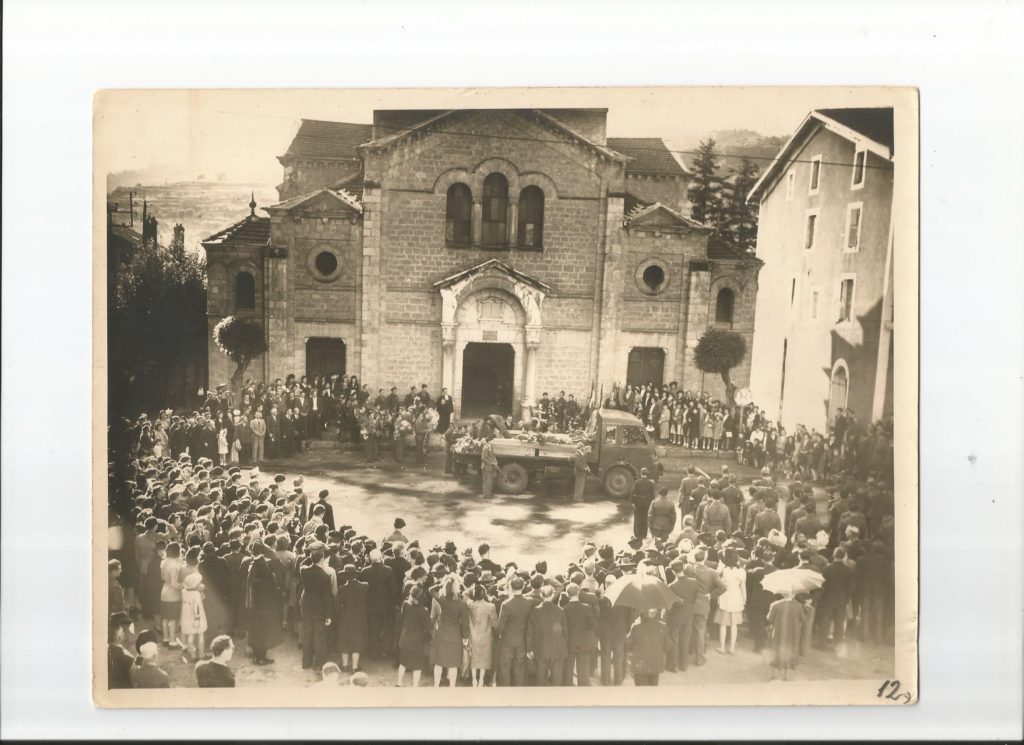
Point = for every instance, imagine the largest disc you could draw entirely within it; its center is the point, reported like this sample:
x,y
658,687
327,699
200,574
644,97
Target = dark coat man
x,y
119,667
581,620
717,516
835,595
648,641
445,408
213,674
548,639
381,602
680,620
511,636
641,498
316,607
612,626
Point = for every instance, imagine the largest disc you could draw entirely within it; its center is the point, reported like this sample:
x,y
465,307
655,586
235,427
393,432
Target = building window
x,y
245,291
815,185
860,163
838,390
812,224
853,220
458,230
790,182
495,217
531,217
326,263
846,290
724,306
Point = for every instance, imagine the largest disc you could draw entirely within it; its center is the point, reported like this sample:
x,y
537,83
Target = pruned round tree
x,y
718,352
242,340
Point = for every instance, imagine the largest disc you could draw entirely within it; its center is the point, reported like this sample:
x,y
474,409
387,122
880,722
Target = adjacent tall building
x,y
498,253
824,337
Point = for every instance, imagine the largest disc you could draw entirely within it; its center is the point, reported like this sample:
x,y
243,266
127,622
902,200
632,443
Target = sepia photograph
x,y
401,391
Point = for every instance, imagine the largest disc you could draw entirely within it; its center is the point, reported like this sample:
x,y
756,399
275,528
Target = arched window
x,y
495,217
458,230
838,390
531,217
245,291
724,306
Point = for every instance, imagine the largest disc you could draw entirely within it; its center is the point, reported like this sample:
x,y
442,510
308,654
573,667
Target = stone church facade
x,y
500,254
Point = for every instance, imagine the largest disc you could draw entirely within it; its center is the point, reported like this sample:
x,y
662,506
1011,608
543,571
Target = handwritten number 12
x,y
894,694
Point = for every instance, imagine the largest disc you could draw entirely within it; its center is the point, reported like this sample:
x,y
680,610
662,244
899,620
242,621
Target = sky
x,y
239,133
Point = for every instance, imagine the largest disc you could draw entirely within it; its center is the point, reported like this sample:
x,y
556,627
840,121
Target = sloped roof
x,y
342,195
635,208
351,184
252,230
542,117
320,140
722,251
647,155
870,128
874,123
127,234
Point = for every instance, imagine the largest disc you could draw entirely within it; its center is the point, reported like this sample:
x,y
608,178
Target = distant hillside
x,y
203,207
734,144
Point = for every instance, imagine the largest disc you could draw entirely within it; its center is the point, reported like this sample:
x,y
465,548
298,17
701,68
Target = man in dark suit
x,y
708,584
316,607
642,496
273,441
328,510
215,673
680,618
119,660
410,397
380,604
236,584
393,399
613,624
511,635
834,597
582,635
547,639
445,408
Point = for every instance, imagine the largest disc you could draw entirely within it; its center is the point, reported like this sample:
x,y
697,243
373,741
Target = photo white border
x,y
964,56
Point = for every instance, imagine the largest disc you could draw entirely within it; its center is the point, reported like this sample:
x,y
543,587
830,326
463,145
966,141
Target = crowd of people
x,y
213,555
699,422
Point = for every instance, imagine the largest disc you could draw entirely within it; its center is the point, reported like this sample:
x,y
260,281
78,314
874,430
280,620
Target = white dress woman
x,y
731,602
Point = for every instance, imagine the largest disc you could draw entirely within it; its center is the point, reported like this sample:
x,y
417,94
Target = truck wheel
x,y
515,480
618,482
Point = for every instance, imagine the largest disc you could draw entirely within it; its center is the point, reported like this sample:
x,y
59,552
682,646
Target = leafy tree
x,y
156,329
706,188
740,217
718,352
242,340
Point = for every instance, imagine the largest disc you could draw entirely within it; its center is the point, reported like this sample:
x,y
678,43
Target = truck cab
x,y
621,447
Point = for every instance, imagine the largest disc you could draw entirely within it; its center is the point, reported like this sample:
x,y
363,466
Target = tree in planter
x,y
242,340
718,352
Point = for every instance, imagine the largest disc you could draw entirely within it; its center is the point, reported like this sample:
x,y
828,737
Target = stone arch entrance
x,y
491,304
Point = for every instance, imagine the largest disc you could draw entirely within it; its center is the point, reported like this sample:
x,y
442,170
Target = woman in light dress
x,y
193,612
717,429
664,421
159,440
170,594
707,426
732,601
482,618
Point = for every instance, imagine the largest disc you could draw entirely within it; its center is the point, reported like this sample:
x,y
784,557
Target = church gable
x,y
324,201
659,217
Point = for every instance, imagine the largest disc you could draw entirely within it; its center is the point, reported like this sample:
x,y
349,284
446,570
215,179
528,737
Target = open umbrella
x,y
792,581
641,592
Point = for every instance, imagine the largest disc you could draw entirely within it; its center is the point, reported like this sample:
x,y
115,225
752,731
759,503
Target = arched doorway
x,y
490,349
325,357
838,390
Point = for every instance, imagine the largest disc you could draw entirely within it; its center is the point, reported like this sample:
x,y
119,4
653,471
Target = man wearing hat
x,y
119,660
316,606
661,515
613,624
641,498
680,618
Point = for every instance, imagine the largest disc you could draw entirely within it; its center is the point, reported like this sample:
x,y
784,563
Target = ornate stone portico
x,y
492,303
